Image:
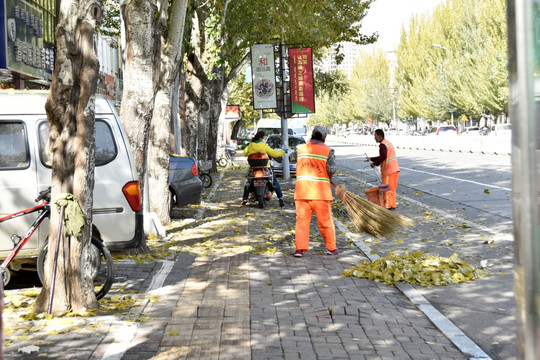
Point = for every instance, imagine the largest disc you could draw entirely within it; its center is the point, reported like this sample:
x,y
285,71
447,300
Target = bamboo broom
x,y
369,217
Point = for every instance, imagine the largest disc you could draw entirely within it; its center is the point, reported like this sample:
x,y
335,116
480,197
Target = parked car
x,y
184,183
275,142
471,130
447,130
25,170
501,129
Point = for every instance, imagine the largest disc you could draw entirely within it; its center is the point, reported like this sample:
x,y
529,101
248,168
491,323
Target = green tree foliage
x,y
221,32
454,61
333,83
110,25
370,81
242,94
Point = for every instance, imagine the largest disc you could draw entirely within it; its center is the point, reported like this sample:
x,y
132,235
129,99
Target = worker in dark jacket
x,y
388,162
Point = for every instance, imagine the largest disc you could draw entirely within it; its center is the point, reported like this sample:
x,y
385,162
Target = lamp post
x,y
393,90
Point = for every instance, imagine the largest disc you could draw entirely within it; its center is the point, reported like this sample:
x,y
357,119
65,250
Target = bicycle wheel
x,y
206,180
98,265
222,162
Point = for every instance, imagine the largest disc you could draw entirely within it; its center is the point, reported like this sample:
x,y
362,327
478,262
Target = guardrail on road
x,y
495,144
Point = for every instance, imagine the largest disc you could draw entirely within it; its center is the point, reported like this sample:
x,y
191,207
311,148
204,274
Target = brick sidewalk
x,y
231,303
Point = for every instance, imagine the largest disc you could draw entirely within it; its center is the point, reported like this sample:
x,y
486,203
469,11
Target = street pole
x,y
394,108
284,125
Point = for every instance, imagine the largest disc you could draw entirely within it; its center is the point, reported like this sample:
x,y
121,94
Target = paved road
x,y
466,205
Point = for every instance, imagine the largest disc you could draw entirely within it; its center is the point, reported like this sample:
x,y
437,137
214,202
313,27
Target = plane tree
x,y
220,34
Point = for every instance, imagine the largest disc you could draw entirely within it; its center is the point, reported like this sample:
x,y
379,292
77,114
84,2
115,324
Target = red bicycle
x,y
99,262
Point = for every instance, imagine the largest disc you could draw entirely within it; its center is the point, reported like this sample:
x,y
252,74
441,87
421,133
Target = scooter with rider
x,y
261,181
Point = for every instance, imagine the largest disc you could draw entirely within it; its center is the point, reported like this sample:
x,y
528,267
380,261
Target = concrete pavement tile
x,y
172,352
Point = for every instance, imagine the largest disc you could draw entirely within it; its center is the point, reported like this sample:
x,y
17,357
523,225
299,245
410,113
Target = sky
x,y
387,17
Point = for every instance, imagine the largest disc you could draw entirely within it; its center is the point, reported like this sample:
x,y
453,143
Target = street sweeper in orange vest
x,y
314,169
389,168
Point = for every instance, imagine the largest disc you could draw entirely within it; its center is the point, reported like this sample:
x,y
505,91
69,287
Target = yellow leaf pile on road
x,y
416,268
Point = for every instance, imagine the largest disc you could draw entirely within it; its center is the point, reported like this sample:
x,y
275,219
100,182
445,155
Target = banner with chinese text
x,y
263,76
302,91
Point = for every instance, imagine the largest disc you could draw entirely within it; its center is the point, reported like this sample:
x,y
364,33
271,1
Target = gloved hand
x,y
286,151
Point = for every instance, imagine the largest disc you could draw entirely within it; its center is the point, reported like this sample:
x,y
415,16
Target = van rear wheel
x,y
98,265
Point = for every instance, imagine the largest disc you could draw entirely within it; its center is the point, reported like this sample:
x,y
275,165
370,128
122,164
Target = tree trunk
x,y
140,79
236,127
160,148
203,108
182,96
70,109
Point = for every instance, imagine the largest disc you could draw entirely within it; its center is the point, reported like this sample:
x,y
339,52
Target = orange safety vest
x,y
312,180
390,165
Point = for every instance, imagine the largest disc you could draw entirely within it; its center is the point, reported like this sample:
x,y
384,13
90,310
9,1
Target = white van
x,y
272,126
25,169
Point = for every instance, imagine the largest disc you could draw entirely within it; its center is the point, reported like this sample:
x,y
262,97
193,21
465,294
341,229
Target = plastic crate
x,y
374,195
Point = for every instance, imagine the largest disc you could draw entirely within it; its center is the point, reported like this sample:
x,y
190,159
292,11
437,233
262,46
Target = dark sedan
x,y
274,141
184,183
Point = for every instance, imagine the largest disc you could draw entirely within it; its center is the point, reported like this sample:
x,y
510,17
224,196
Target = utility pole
x,y
283,115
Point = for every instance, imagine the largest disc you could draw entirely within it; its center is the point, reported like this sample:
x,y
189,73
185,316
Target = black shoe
x,y
281,203
244,202
392,209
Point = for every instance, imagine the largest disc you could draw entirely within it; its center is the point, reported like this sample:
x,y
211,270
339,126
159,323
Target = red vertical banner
x,y
302,90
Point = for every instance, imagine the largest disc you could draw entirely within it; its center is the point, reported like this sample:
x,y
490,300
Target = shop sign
x,y
24,50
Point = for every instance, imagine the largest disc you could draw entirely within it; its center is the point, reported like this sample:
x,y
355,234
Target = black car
x,y
184,183
274,141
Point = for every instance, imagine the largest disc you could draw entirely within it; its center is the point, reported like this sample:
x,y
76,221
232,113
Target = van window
x,y
106,149
13,146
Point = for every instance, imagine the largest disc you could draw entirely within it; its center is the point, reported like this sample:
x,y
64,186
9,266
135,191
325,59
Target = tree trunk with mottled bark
x,y
70,109
160,146
141,76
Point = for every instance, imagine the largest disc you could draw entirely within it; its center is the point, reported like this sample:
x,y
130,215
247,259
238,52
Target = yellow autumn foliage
x,y
416,268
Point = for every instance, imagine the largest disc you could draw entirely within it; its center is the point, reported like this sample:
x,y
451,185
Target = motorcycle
x,y
260,179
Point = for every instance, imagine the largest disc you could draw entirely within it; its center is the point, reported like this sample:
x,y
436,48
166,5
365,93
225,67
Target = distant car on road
x,y
184,183
471,130
274,141
447,130
501,129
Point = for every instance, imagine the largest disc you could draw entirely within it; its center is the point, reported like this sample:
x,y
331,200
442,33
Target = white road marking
x,y
458,179
125,334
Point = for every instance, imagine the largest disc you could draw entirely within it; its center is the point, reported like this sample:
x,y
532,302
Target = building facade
x,y
27,48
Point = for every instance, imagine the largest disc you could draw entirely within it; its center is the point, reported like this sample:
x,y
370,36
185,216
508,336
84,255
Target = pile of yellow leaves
x,y
416,268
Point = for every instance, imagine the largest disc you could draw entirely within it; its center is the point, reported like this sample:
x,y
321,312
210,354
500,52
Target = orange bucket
x,y
374,195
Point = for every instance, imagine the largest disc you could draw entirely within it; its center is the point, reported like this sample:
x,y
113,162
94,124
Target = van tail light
x,y
194,170
437,131
457,132
132,192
